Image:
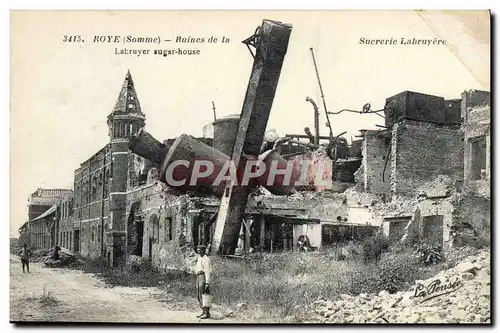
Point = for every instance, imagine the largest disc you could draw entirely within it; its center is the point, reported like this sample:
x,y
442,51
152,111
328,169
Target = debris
x,y
241,306
468,301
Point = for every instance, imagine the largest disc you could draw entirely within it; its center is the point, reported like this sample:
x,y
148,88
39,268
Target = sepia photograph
x,y
250,167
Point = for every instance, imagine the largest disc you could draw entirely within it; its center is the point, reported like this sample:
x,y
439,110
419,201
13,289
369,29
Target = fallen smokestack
x,y
145,145
189,150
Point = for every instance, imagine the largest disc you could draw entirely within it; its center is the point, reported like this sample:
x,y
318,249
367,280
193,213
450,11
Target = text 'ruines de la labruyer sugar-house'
x,y
425,174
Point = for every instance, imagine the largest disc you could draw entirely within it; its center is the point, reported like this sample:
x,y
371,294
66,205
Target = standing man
x,y
25,257
203,272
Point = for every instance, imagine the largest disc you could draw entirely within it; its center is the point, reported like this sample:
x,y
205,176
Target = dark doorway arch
x,y
135,230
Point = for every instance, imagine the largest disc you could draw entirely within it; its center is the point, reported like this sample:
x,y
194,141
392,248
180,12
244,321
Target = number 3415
x,y
72,39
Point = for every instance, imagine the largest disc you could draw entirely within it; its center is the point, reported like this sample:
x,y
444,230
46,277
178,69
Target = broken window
x,y
153,222
478,157
168,229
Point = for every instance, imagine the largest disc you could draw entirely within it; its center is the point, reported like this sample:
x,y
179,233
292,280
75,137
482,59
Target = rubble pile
x,y
66,257
460,294
40,254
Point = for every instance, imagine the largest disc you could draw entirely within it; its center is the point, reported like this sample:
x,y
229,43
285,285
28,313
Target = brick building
x,y
42,199
100,183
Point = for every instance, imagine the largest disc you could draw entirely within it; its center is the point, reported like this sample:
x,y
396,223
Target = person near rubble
x,y
270,138
303,243
203,271
25,254
55,253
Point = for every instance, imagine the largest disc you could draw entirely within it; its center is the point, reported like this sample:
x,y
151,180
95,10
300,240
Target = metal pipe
x,y
303,136
213,108
322,95
316,120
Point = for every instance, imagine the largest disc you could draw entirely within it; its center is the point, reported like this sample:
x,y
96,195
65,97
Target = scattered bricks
x,y
468,304
467,267
241,306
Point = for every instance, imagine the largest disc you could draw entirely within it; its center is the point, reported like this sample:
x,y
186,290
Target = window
x,y
168,229
131,106
156,230
154,227
478,158
94,187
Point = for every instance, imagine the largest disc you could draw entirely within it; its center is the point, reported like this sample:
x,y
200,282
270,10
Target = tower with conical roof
x,y
126,118
124,121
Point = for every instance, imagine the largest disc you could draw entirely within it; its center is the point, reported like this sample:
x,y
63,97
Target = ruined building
x,y
425,175
42,213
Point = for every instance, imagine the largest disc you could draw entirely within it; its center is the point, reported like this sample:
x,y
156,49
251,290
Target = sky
x,y
61,93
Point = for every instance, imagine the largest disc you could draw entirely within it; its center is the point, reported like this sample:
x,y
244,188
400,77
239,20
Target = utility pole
x,y
213,108
322,95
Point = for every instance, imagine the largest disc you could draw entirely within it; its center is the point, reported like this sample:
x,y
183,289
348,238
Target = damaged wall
x,y
376,166
166,221
471,220
477,149
421,153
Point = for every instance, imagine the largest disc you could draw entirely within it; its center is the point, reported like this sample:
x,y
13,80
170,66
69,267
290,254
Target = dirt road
x,y
62,295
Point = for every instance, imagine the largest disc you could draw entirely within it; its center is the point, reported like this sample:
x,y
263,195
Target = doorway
x,y
76,241
433,229
139,228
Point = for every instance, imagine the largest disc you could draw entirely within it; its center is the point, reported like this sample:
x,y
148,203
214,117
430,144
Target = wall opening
x,y
397,227
139,227
168,229
433,229
478,157
76,241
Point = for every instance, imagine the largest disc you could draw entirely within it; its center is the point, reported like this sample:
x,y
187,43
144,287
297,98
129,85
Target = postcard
x,y
232,167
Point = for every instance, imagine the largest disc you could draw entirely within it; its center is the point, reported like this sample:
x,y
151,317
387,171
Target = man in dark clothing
x,y
55,253
25,257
